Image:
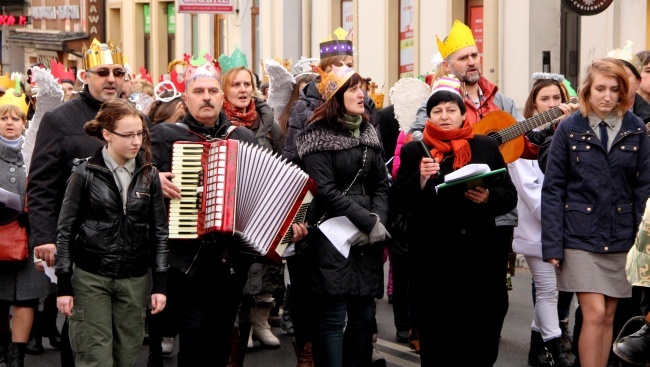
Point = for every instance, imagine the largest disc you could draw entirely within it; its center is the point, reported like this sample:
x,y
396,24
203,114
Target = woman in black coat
x,y
342,154
452,227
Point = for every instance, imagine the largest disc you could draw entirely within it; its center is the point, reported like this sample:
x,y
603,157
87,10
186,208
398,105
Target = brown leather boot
x,y
414,340
304,355
236,353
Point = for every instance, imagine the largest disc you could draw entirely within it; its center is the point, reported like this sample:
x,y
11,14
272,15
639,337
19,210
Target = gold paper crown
x,y
5,81
101,54
460,36
331,82
17,100
626,54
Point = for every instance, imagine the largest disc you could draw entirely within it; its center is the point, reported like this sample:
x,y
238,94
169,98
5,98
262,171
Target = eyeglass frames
x,y
139,134
118,73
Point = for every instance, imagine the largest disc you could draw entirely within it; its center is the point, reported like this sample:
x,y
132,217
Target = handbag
x,y
13,242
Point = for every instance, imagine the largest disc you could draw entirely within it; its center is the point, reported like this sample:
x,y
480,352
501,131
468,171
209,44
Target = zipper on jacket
x,y
194,259
227,258
138,194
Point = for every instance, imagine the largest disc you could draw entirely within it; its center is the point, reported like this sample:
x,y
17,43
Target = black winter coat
x,y
332,158
60,139
99,236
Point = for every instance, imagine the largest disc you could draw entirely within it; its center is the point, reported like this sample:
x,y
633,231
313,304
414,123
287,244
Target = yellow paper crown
x,y
626,54
101,54
331,82
17,100
5,81
460,36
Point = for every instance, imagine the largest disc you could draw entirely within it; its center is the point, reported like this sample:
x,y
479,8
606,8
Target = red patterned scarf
x,y
245,119
446,141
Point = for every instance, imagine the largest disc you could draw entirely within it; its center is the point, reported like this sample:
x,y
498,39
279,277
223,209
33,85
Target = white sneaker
x,y
167,345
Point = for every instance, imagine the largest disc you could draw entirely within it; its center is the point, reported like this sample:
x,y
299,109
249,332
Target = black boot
x,y
537,354
4,350
635,348
16,357
35,342
558,354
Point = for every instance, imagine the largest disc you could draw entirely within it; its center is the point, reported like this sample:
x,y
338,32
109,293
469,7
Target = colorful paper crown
x,y
176,79
331,82
203,66
101,54
626,54
447,83
460,36
339,46
235,60
61,75
144,75
14,98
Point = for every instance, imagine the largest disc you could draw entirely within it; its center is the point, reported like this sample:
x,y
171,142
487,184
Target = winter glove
x,y
378,233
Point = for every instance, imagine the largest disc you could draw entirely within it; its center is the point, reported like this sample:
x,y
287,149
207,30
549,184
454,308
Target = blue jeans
x,y
340,344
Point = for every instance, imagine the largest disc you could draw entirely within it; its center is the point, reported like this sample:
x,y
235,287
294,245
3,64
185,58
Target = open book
x,y
469,177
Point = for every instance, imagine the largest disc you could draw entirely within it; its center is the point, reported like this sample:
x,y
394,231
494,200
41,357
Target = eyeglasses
x,y
139,134
118,73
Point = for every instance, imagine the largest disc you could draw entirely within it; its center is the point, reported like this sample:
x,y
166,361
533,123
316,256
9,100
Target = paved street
x,y
513,351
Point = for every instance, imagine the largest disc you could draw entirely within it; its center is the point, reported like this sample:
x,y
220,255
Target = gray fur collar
x,y
321,136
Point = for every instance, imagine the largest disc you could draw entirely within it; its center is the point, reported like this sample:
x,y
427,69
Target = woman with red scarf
x,y
447,225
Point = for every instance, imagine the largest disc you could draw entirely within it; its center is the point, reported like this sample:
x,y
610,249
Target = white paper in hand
x,y
342,233
467,171
10,200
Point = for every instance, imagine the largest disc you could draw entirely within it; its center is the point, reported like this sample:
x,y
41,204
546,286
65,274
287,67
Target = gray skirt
x,y
594,272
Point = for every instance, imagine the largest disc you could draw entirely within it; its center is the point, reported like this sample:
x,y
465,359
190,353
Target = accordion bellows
x,y
238,188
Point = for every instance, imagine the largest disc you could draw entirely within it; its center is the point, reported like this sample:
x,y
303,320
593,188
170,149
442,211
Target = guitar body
x,y
494,122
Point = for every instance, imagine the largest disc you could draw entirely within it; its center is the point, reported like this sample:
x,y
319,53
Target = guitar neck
x,y
523,127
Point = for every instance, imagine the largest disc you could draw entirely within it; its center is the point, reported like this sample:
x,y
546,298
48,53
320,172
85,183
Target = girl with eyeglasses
x,y
111,229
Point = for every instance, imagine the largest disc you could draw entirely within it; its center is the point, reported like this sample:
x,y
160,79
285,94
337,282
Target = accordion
x,y
233,187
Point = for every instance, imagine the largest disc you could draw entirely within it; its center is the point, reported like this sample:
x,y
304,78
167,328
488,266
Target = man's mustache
x,y
207,104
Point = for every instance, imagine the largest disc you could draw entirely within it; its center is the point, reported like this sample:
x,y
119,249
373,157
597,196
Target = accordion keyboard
x,y
188,176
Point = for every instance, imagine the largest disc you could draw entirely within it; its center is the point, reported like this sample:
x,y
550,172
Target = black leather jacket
x,y
99,236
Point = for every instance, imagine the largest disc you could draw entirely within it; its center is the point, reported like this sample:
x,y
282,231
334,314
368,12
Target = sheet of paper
x,y
342,233
467,171
10,200
49,271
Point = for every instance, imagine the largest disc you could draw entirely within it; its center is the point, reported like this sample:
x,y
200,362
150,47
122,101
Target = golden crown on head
x,y
15,98
331,82
460,36
101,54
625,53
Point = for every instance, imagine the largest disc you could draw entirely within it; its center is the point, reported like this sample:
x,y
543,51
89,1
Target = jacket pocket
x,y
625,225
97,235
577,219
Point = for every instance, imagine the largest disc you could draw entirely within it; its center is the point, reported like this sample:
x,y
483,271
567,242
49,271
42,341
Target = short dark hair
x,y
445,96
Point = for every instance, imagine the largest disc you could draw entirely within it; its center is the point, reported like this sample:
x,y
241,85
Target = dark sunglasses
x,y
118,73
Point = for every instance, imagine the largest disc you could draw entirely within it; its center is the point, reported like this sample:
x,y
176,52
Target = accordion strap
x,y
220,136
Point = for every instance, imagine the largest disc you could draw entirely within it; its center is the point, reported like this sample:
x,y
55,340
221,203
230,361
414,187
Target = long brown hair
x,y
334,108
529,107
108,115
163,111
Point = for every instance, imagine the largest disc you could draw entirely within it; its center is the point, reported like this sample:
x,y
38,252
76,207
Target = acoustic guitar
x,y
509,133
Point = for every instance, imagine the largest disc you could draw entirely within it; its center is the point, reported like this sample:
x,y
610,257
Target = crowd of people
x,y
94,176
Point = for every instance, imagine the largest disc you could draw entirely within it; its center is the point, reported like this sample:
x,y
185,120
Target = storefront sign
x,y
406,40
13,20
94,25
147,19
171,18
588,7
55,12
206,6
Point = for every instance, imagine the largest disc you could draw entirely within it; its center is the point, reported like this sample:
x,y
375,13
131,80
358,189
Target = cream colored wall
x,y
507,64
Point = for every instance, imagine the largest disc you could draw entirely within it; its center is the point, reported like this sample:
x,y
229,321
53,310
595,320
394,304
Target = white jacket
x,y
528,179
